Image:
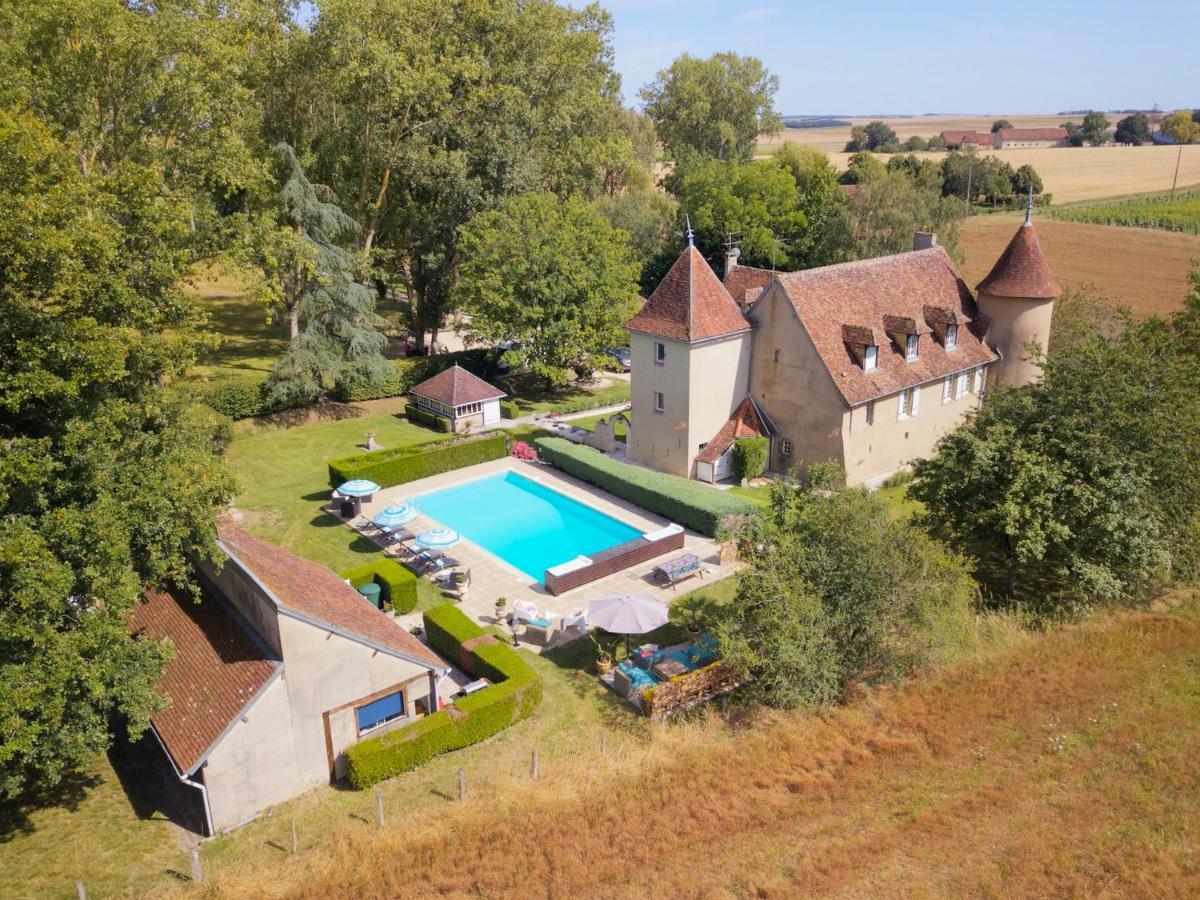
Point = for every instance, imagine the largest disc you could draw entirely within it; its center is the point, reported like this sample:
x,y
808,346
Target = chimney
x,y
731,260
923,240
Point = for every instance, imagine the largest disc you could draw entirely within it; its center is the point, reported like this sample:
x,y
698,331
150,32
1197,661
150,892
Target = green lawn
x,y
249,343
532,398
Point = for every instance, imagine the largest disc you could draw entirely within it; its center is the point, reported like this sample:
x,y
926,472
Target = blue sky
x,y
915,57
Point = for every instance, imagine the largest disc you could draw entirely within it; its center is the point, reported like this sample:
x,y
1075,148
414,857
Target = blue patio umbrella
x,y
358,487
395,516
438,537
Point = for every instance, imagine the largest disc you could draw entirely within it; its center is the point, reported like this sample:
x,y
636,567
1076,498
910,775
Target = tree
x,y
1075,133
1081,313
647,216
876,136
715,107
750,456
915,142
861,167
108,483
925,172
1001,123
937,142
1026,179
1133,129
837,590
1095,128
1181,126
341,337
553,275
886,209
983,177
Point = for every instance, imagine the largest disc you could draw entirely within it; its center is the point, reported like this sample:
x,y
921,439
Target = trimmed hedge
x,y
690,503
515,694
419,416
509,409
389,467
750,456
412,370
398,585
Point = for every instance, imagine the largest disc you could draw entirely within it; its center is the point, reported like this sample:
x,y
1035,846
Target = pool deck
x,y
491,577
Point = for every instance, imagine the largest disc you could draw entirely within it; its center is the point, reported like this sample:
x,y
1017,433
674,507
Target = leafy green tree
x,y
1095,128
875,136
1181,126
108,483
1080,313
926,173
1133,129
715,107
340,338
983,177
1025,179
915,142
885,210
862,167
552,274
647,215
838,590
936,143
1075,133
1001,123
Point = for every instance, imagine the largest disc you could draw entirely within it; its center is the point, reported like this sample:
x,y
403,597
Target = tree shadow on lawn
x,y
68,794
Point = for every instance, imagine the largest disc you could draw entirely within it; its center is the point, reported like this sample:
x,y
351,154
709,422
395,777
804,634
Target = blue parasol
x,y
395,516
359,487
438,537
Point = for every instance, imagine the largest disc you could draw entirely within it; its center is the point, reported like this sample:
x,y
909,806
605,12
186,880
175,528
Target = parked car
x,y
621,358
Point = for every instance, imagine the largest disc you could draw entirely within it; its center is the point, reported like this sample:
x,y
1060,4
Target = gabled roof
x,y
456,386
1021,270
217,671
863,294
983,138
745,283
1054,133
313,593
747,421
689,304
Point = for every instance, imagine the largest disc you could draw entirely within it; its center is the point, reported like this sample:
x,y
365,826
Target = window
x,y
870,358
660,353
776,354
951,337
946,390
914,401
960,386
910,348
380,712
659,401
902,401
785,447
870,412
980,379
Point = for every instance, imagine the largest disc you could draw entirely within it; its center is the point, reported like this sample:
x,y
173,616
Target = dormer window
x,y
863,345
951,337
870,359
910,347
945,322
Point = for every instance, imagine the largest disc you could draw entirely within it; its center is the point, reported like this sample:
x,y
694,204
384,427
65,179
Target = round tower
x,y
1018,299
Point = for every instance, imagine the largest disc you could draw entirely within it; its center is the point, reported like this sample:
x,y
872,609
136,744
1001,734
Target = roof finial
x,y
1029,206
688,220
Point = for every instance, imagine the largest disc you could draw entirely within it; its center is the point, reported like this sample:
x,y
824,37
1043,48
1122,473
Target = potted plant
x,y
501,609
693,626
604,660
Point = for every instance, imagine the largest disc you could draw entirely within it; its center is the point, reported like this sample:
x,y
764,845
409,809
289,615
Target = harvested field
x,y
1065,765
1143,269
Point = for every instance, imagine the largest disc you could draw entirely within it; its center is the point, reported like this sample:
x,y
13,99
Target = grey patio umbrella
x,y
627,614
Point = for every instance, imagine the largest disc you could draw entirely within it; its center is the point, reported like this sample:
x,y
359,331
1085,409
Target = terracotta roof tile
x,y
456,386
318,594
1021,270
689,304
218,668
979,138
862,293
747,421
745,283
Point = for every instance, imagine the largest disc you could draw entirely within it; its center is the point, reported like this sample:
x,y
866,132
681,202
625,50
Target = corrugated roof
x,y
456,386
217,670
864,294
1021,270
689,304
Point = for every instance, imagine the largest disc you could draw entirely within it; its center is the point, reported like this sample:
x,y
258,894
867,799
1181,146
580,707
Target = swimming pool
x,y
526,524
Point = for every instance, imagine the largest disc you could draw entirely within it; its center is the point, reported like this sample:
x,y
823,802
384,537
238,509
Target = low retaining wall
x,y
613,560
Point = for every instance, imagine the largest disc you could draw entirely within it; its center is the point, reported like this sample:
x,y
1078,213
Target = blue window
x,y
381,711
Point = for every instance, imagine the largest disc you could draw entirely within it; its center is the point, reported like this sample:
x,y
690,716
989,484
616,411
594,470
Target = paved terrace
x,y
491,577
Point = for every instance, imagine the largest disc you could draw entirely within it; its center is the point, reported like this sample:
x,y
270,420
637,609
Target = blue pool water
x,y
528,525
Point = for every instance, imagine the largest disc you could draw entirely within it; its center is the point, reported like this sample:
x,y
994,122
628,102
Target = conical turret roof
x,y
690,304
1021,270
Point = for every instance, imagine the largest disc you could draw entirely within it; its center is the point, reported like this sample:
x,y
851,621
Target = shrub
x,y
398,585
750,456
509,409
515,694
419,416
681,500
389,467
238,398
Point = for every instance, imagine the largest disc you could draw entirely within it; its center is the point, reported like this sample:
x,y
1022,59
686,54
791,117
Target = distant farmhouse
x,y
1007,137
866,363
276,672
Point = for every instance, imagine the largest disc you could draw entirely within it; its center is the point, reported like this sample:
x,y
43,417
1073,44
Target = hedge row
x,y
419,416
413,370
510,409
389,467
238,397
397,584
515,694
690,503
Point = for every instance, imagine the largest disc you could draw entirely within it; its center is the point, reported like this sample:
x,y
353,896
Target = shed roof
x,y
456,386
747,421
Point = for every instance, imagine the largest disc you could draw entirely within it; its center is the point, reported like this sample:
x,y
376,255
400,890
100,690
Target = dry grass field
x,y
1144,269
1071,174
1066,764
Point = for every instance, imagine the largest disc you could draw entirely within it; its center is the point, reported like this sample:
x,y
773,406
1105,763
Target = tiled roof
x,y
745,283
863,293
1021,270
1055,133
982,138
317,594
215,673
747,421
689,304
456,386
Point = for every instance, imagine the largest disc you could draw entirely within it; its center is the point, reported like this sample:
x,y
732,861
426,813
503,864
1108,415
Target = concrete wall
x,y
660,438
718,380
247,598
1015,323
875,451
795,390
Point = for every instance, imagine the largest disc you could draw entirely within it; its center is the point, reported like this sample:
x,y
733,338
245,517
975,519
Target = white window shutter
x,y
946,390
915,402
